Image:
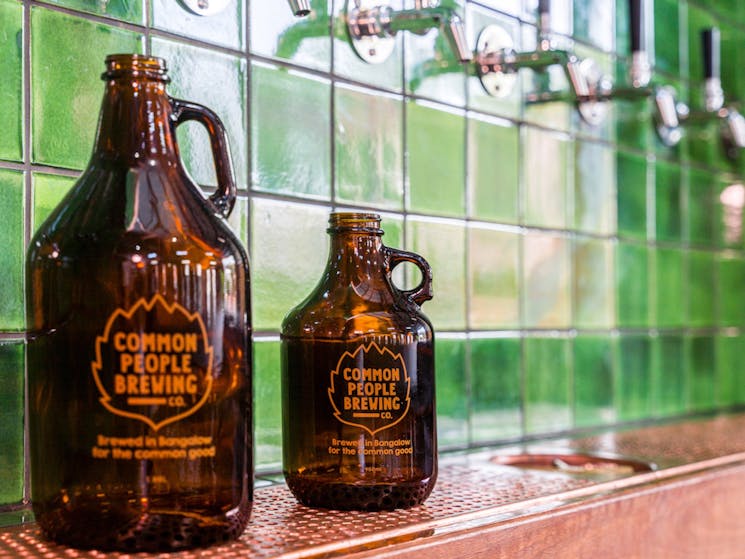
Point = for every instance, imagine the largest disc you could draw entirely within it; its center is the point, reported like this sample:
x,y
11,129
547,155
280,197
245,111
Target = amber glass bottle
x,y
358,383
139,338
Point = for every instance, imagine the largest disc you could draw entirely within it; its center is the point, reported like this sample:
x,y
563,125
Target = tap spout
x,y
300,7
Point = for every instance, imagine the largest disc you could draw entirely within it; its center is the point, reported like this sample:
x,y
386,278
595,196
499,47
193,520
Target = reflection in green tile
x,y
633,380
548,385
49,190
730,201
11,96
669,394
442,244
493,265
594,194
238,219
701,290
224,92
267,405
289,108
452,404
126,10
437,173
669,202
12,257
546,173
593,380
495,388
369,148
731,290
430,65
730,388
546,276
631,183
593,22
11,423
225,28
305,41
632,285
289,249
702,394
66,97
493,158
702,215
671,288
592,262
666,29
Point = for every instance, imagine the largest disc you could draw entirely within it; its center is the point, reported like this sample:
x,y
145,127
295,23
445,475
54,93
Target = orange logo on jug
x,y
153,362
370,388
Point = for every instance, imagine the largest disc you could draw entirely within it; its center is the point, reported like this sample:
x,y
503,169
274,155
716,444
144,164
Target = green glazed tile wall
x,y
584,276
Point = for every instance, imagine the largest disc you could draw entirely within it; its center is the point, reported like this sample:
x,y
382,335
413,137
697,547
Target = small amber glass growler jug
x,y
139,337
358,387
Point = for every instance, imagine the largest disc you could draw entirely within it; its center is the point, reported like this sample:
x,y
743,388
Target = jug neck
x,y
355,254
135,125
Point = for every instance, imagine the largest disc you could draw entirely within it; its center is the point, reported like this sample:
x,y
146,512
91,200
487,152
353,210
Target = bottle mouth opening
x,y
362,222
135,65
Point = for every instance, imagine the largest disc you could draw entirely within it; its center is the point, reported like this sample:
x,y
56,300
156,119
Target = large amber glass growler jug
x,y
358,387
139,359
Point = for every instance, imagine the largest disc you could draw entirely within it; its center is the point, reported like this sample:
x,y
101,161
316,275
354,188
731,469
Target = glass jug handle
x,y
224,198
423,291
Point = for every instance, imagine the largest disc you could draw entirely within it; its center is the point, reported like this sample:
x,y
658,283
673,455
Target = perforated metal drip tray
x,y
474,489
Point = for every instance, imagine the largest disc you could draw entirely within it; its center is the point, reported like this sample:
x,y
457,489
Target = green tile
x,y
702,388
283,158
594,188
493,173
669,202
548,385
632,285
125,10
436,159
698,20
11,94
11,423
730,390
702,212
49,190
267,405
731,293
594,23
225,28
288,255
592,262
701,291
369,148
669,376
347,64
432,68
633,378
666,36
12,257
451,391
622,32
493,264
477,19
733,81
729,202
704,142
631,184
547,292
442,244
224,93
66,97
593,380
495,388
632,118
546,172
671,288
239,218
276,32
